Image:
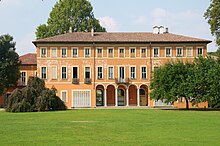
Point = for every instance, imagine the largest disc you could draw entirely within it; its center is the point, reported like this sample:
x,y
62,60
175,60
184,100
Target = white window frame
x,y
108,73
41,55
119,52
141,77
119,71
197,54
77,52
55,72
41,72
98,78
90,97
87,56
62,73
97,48
145,52
158,55
61,53
90,69
181,55
25,78
77,71
134,52
51,53
61,95
112,52
135,73
187,51
170,51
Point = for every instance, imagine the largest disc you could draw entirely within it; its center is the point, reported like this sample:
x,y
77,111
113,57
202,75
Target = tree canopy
x,y
77,14
9,63
212,14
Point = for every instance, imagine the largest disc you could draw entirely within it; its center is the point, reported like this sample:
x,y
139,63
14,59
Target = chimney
x,y
167,30
161,30
70,29
155,30
92,32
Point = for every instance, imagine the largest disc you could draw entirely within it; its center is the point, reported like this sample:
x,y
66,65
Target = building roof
x,y
29,59
120,37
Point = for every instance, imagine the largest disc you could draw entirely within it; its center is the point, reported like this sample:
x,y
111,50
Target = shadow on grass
x,y
193,109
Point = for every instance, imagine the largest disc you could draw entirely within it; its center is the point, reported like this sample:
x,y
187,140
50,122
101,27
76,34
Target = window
x,y
43,52
75,52
100,75
143,72
99,52
64,73
110,73
189,52
199,51
54,73
43,72
75,72
168,52
23,78
133,72
110,52
64,52
87,72
179,52
87,52
53,52
132,52
121,53
64,96
156,52
143,52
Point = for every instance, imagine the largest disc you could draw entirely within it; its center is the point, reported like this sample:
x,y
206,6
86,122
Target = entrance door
x,y
143,99
121,74
99,97
121,97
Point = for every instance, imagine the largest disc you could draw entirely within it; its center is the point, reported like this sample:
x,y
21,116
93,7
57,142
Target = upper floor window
x,y
100,73
144,72
199,51
121,52
143,52
110,52
87,52
75,52
110,73
132,72
23,78
168,52
64,73
64,52
75,72
43,72
189,52
156,52
54,73
54,52
132,52
87,72
179,52
43,52
99,52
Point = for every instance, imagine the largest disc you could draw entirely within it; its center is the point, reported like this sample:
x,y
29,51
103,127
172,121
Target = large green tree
x,y
77,14
9,63
212,14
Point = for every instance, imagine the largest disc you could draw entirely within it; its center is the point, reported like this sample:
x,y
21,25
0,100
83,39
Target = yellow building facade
x,y
110,69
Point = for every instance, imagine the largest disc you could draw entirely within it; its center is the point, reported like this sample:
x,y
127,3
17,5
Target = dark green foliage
x,y
77,14
9,63
34,97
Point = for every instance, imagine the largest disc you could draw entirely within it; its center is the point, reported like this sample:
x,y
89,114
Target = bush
x,y
34,97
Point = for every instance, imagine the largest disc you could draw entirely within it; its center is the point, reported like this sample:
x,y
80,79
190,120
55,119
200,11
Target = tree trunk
x,y
187,103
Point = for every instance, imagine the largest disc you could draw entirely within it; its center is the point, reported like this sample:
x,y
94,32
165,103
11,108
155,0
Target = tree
x,y
9,63
212,14
76,14
171,82
34,97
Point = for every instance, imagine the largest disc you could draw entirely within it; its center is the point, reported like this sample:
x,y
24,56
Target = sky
x,y
20,18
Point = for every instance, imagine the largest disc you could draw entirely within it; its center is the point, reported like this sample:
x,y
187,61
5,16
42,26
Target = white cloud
x,y
109,23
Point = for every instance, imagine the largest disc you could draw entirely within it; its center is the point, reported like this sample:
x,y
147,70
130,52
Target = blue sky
x,y
20,18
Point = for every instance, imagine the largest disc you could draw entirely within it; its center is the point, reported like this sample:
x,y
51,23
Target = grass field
x,y
111,127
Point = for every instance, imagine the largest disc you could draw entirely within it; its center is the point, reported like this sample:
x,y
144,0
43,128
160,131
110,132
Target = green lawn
x,y
111,127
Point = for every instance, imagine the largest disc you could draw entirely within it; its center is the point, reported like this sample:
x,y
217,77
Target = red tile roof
x,y
120,37
29,59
